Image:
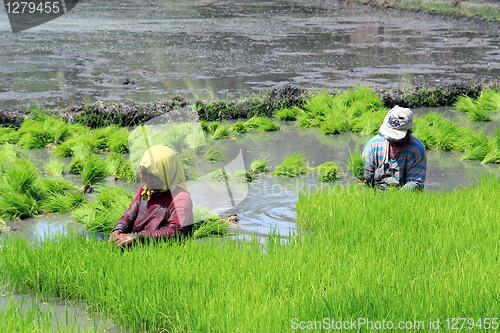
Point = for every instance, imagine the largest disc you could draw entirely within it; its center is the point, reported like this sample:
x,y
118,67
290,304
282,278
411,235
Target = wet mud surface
x,y
149,51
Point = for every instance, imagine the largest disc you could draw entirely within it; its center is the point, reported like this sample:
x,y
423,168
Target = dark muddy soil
x,y
131,113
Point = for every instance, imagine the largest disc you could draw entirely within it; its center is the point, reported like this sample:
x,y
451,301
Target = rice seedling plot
x,y
357,110
21,318
432,260
292,166
488,100
288,114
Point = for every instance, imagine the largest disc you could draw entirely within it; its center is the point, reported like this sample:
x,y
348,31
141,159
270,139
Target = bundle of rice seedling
x,y
76,166
288,114
83,144
204,126
213,126
16,205
19,190
349,110
476,146
261,123
115,161
292,166
211,228
336,124
62,202
437,132
493,155
55,185
477,114
219,175
209,224
242,176
222,132
489,100
20,176
94,171
356,164
118,141
188,158
103,213
9,153
328,171
54,167
8,135
196,140
215,153
125,172
260,166
238,127
44,130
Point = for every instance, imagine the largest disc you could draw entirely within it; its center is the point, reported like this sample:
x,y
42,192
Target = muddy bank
x,y
131,113
481,12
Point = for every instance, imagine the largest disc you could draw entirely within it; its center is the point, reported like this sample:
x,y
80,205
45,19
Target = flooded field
x,y
146,51
269,202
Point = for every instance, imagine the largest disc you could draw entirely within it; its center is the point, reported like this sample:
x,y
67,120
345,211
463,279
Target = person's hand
x,y
124,239
114,235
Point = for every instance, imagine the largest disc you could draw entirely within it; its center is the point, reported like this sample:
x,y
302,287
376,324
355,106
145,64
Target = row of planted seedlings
x,y
418,257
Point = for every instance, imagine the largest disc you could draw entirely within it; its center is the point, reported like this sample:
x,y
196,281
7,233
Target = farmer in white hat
x,y
394,157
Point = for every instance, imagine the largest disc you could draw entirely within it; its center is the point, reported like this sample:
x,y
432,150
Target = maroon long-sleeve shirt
x,y
163,216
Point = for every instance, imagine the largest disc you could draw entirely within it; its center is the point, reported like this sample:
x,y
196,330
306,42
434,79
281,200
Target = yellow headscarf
x,y
163,163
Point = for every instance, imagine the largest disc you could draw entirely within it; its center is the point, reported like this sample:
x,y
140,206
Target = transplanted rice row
x,y
21,318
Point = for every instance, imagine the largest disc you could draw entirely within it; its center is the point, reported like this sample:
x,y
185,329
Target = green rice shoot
x,y
356,164
292,166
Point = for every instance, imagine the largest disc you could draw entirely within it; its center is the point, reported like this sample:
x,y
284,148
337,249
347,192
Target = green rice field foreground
x,y
24,318
391,256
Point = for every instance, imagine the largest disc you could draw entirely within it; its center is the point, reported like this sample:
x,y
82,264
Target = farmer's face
x,y
152,181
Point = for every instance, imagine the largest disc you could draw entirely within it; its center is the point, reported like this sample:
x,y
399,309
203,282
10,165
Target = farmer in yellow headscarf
x,y
162,208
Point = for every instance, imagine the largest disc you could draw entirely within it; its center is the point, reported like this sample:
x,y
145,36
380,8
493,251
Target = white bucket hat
x,y
396,124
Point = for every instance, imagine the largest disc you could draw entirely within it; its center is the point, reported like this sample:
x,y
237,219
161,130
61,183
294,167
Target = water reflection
x,y
203,49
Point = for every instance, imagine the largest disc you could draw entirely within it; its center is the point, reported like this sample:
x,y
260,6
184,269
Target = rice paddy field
x,y
311,247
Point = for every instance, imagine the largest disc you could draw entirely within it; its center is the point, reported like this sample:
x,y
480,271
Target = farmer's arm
x,y
126,222
416,171
369,157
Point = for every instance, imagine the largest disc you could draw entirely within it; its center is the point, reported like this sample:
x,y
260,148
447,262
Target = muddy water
x,y
202,49
65,313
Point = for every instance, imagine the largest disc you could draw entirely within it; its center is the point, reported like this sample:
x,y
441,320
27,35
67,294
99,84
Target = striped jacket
x,y
406,166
